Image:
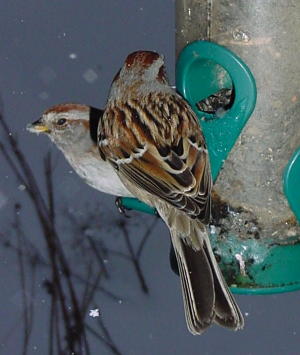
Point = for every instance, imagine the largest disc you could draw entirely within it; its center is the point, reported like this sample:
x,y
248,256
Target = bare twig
x,y
104,328
90,295
146,236
119,253
51,325
134,259
98,256
34,254
27,176
49,185
27,303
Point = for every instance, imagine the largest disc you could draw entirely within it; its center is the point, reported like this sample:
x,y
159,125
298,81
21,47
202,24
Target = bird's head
x,y
141,71
149,65
66,123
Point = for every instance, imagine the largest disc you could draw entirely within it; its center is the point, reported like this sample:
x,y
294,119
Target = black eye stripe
x,y
61,121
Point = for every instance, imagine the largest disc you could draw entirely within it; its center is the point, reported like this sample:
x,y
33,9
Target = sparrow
x,y
151,137
73,129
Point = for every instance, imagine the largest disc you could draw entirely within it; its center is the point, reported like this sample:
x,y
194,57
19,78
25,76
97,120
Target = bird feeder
x,y
255,155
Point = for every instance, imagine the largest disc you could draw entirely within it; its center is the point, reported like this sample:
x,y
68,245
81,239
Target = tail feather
x,y
207,298
199,304
227,311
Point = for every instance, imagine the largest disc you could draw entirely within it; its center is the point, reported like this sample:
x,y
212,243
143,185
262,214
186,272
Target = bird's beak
x,y
38,127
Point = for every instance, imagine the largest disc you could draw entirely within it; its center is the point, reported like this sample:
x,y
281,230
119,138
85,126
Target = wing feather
x,y
157,144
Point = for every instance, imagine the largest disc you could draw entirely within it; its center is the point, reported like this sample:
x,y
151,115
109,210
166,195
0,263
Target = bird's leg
x,y
120,206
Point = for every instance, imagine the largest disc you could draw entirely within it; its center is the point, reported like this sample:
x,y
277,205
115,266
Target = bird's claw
x,y
120,207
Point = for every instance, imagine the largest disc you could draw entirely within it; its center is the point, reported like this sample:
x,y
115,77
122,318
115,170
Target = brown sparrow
x,y
152,139
73,128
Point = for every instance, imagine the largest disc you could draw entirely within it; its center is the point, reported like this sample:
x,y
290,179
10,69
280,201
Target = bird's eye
x,y
61,121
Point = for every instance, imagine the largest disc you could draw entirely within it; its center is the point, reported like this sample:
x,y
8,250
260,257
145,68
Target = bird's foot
x,y
120,207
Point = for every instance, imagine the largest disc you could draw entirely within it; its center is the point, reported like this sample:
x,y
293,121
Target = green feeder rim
x,y
256,267
291,183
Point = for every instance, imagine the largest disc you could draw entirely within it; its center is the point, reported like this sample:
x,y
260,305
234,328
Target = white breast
x,y
83,156
98,174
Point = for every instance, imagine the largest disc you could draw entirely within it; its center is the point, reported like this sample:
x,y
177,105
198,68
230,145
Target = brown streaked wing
x,y
175,166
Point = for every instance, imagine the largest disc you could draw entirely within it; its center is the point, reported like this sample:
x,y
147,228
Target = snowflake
x,y
94,313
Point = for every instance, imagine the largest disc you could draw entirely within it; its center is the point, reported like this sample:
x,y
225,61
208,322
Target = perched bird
x,y
152,147
152,138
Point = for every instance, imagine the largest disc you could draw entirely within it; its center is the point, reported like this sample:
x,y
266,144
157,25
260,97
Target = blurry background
x,y
61,51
